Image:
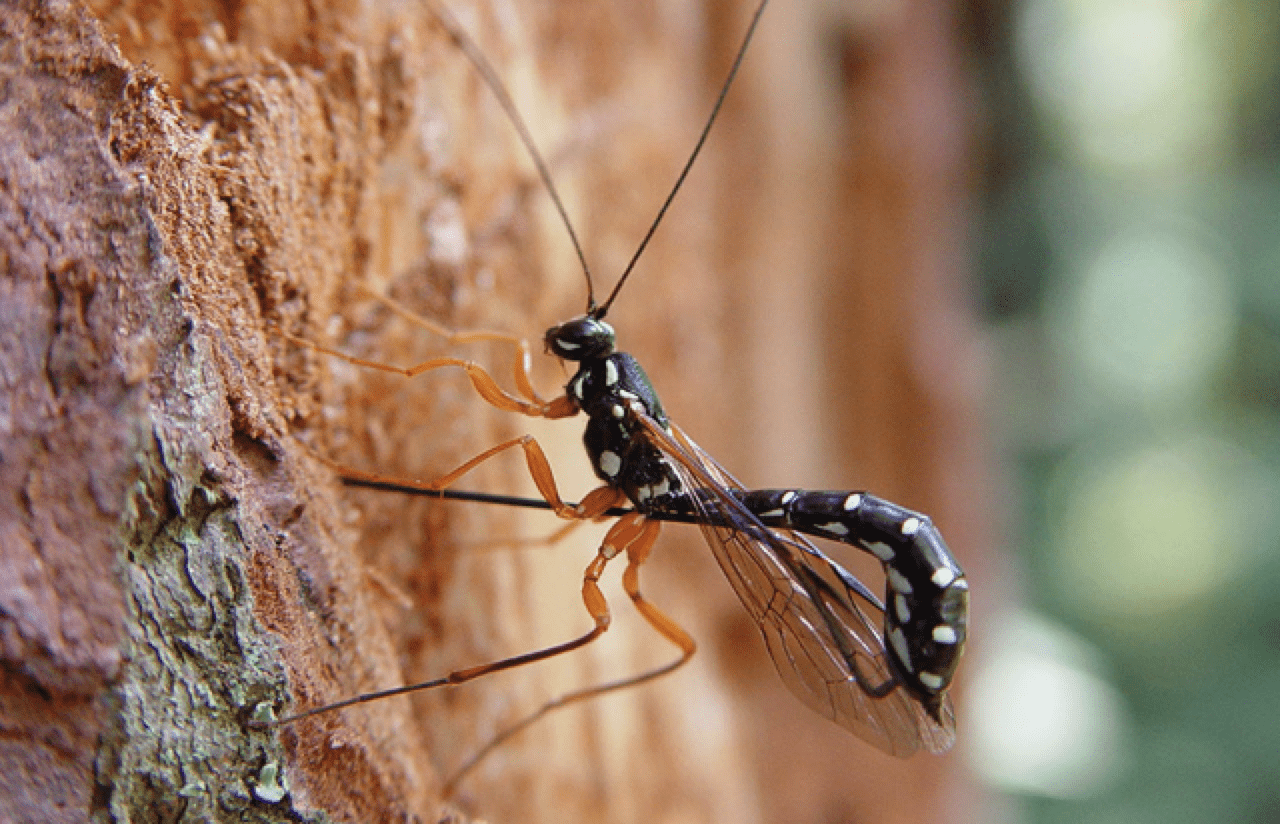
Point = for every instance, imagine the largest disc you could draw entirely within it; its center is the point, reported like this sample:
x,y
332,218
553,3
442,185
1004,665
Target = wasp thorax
x,y
580,339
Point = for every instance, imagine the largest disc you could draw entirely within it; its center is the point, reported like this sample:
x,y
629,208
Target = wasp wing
x,y
821,625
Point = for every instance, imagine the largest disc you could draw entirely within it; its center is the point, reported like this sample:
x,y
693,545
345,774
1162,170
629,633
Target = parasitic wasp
x,y
879,668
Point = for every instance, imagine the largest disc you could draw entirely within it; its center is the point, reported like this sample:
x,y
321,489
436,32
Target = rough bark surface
x,y
183,185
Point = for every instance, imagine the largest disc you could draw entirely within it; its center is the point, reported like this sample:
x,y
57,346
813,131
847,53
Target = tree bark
x,y
185,186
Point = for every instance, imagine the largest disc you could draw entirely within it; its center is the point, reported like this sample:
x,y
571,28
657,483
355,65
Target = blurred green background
x,y
1129,265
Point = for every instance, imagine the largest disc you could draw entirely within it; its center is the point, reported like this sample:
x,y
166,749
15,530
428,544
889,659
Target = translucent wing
x,y
821,625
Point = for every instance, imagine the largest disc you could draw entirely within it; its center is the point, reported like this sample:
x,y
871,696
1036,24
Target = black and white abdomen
x,y
926,594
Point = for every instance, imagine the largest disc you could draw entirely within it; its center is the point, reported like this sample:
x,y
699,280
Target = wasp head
x,y
580,339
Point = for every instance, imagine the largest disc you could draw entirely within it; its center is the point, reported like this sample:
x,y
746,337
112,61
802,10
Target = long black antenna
x,y
468,47
702,139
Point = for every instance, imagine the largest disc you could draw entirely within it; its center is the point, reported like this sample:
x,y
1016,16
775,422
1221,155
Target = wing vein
x,y
822,627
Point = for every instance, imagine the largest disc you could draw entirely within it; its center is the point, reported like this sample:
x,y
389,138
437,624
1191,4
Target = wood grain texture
x,y
183,182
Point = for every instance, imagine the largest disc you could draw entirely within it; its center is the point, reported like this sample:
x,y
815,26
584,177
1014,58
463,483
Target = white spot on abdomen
x,y
943,634
881,550
898,640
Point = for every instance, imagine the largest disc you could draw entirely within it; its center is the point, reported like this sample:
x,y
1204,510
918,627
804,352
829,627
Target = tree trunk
x,y
189,188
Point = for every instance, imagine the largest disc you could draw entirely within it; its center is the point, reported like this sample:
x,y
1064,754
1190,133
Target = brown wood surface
x,y
185,182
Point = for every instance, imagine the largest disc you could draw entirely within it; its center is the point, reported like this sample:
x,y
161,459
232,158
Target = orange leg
x,y
637,554
521,367
620,537
483,382
637,536
596,502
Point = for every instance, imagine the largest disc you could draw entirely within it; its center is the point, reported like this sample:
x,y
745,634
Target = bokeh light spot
x,y
1152,317
1042,720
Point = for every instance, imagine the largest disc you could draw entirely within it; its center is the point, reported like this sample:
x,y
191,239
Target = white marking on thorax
x,y
610,463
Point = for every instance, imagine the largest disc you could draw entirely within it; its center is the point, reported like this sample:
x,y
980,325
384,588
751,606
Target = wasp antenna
x,y
693,156
468,47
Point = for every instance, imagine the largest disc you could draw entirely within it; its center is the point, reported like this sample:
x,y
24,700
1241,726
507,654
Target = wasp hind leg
x,y
636,535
